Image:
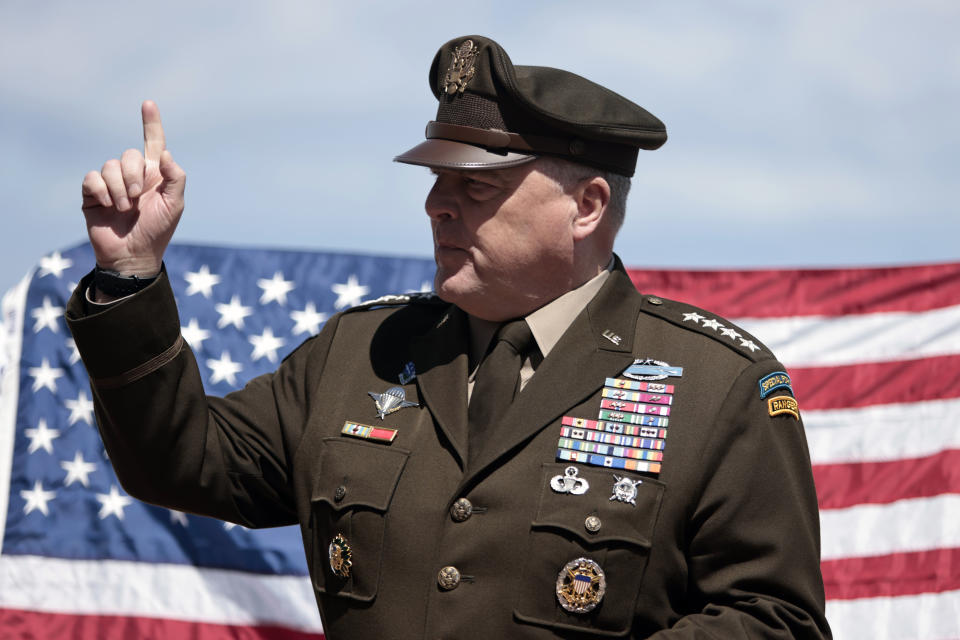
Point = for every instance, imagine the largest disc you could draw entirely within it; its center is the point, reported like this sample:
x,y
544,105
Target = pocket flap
x,y
621,522
357,474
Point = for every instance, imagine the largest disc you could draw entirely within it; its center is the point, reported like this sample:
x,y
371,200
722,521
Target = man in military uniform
x,y
540,451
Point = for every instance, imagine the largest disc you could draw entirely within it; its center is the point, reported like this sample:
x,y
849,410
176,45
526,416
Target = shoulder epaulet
x,y
706,323
393,300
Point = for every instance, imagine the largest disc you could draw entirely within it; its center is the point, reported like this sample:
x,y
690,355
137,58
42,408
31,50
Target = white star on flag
x,y
80,409
41,437
224,369
45,376
113,503
350,293
425,287
712,324
178,517
308,320
74,351
730,332
78,470
275,289
693,316
194,335
201,281
46,316
266,345
232,313
37,499
54,264
227,526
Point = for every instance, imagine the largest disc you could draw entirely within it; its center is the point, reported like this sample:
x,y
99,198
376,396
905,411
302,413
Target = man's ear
x,y
592,197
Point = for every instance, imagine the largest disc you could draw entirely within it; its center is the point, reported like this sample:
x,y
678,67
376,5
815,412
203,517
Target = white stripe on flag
x,y
816,341
931,616
112,587
917,524
883,432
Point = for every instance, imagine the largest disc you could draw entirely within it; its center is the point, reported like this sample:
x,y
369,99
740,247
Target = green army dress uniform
x,y
724,537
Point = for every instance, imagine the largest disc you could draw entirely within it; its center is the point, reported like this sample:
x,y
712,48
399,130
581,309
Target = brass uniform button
x,y
448,578
592,523
461,510
654,300
339,492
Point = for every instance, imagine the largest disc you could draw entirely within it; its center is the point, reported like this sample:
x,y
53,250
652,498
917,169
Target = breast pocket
x,y
349,505
613,535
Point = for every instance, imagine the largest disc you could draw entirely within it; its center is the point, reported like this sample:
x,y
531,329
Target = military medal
x,y
581,585
569,482
393,399
625,489
341,557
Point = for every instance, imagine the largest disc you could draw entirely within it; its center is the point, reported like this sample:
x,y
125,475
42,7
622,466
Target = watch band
x,y
112,283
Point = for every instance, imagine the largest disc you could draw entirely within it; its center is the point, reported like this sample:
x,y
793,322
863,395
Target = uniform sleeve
x,y
169,443
754,546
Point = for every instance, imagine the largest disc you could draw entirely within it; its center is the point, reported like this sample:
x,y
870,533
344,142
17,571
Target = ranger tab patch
x,y
783,404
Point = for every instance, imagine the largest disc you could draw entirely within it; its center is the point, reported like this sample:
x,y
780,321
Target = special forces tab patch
x,y
776,380
783,405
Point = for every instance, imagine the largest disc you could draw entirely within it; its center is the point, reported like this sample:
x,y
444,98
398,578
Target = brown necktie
x,y
497,383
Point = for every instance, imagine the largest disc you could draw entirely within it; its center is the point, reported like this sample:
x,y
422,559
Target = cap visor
x,y
448,154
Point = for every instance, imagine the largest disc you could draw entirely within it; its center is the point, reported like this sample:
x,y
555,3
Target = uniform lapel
x,y
573,371
440,357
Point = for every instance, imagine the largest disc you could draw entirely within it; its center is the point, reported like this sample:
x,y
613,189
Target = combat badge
x,y
774,381
393,399
569,482
625,489
341,557
649,369
581,585
783,404
461,68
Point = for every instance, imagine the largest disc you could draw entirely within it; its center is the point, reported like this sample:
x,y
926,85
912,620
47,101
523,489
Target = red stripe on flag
x,y
861,385
807,292
15,623
844,485
898,574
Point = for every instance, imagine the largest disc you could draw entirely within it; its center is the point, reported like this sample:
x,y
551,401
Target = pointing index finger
x,y
153,140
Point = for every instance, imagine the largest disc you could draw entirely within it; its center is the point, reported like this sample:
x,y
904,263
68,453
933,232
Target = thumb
x,y
174,178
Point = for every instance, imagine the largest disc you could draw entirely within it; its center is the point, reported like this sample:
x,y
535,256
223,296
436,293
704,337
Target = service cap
x,y
494,114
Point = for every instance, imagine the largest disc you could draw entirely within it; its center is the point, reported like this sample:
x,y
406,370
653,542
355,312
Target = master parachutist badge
x,y
569,482
625,489
461,68
341,557
393,399
581,585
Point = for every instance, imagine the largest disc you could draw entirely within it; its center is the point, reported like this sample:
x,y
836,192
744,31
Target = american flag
x,y
874,355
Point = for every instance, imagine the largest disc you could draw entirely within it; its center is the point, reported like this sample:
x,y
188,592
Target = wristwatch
x,y
112,283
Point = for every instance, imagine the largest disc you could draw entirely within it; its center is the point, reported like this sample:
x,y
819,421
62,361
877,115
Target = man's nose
x,y
441,201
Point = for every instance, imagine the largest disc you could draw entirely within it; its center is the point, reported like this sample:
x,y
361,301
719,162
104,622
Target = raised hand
x,y
132,205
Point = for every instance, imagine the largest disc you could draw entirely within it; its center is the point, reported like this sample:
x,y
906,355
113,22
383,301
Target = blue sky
x,y
801,134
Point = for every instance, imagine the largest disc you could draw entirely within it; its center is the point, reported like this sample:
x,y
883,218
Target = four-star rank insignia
x,y
461,68
393,399
581,585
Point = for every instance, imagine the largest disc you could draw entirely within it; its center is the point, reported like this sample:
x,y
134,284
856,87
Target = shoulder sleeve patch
x,y
783,405
773,381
